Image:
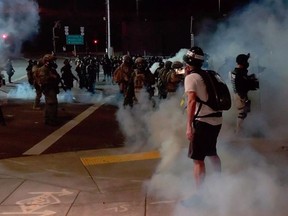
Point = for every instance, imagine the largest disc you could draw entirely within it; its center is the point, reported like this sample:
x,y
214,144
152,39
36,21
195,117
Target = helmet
x,y
161,64
140,63
242,59
194,57
168,64
139,60
127,59
66,61
48,58
177,65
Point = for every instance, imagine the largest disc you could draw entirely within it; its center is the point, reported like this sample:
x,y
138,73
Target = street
x,y
25,126
103,160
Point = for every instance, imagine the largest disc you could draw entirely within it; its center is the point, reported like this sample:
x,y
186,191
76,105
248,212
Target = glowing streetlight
x,y
4,36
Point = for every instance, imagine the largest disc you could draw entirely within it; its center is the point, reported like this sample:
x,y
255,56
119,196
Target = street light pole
x,y
137,8
191,32
109,48
56,25
54,39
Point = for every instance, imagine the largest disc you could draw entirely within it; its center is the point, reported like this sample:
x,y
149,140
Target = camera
x,y
253,82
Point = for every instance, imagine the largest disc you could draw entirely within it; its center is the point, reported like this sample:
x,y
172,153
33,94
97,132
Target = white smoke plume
x,y
19,22
261,30
254,177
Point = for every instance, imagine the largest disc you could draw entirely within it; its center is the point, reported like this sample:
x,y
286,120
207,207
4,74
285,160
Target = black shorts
x,y
205,139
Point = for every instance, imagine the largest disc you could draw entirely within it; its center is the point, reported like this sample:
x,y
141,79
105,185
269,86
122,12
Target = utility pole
x,y
137,8
191,32
109,48
54,37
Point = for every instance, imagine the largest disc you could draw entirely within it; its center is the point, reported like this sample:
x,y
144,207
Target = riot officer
x,y
35,83
122,74
242,83
162,81
174,77
31,63
141,78
91,75
48,79
67,76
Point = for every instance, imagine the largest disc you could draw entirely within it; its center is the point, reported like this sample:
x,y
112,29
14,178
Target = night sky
x,y
156,15
151,9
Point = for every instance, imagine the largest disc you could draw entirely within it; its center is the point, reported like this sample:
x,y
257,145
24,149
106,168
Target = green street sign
x,y
74,39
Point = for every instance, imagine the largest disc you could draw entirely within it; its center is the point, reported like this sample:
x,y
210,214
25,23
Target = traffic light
x,y
95,41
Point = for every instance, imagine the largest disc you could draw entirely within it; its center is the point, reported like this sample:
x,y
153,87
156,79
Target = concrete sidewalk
x,y
80,183
104,182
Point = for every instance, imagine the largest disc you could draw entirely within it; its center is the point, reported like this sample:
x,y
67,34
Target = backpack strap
x,y
215,114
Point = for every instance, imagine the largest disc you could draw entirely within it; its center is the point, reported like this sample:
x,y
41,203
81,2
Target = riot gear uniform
x,y
161,84
140,78
123,73
242,83
67,75
173,78
48,79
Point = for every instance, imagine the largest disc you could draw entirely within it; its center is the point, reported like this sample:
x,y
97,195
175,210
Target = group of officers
x,y
132,74
135,76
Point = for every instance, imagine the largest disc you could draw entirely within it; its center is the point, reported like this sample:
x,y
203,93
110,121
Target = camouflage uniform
x,y
37,87
173,79
122,74
48,79
141,78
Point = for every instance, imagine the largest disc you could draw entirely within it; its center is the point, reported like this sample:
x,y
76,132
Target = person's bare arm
x,y
191,107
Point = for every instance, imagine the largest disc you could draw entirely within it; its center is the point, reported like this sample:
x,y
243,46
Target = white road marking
x,y
56,135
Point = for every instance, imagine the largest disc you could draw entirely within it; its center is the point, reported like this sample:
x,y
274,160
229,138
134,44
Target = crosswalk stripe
x,y
56,135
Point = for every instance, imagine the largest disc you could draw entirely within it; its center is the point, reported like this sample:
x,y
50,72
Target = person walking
x,y
9,70
2,119
202,129
67,76
122,74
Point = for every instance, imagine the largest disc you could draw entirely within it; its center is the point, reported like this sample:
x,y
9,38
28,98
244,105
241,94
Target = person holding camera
x,y
242,83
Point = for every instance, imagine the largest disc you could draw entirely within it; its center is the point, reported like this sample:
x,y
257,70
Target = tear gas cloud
x,y
254,177
261,30
19,21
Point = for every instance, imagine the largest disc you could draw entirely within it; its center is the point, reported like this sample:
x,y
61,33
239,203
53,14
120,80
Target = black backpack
x,y
219,97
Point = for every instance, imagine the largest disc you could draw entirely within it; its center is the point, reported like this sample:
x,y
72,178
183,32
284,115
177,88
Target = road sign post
x,y
74,39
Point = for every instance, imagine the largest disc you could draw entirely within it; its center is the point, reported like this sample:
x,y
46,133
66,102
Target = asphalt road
x,y
87,122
